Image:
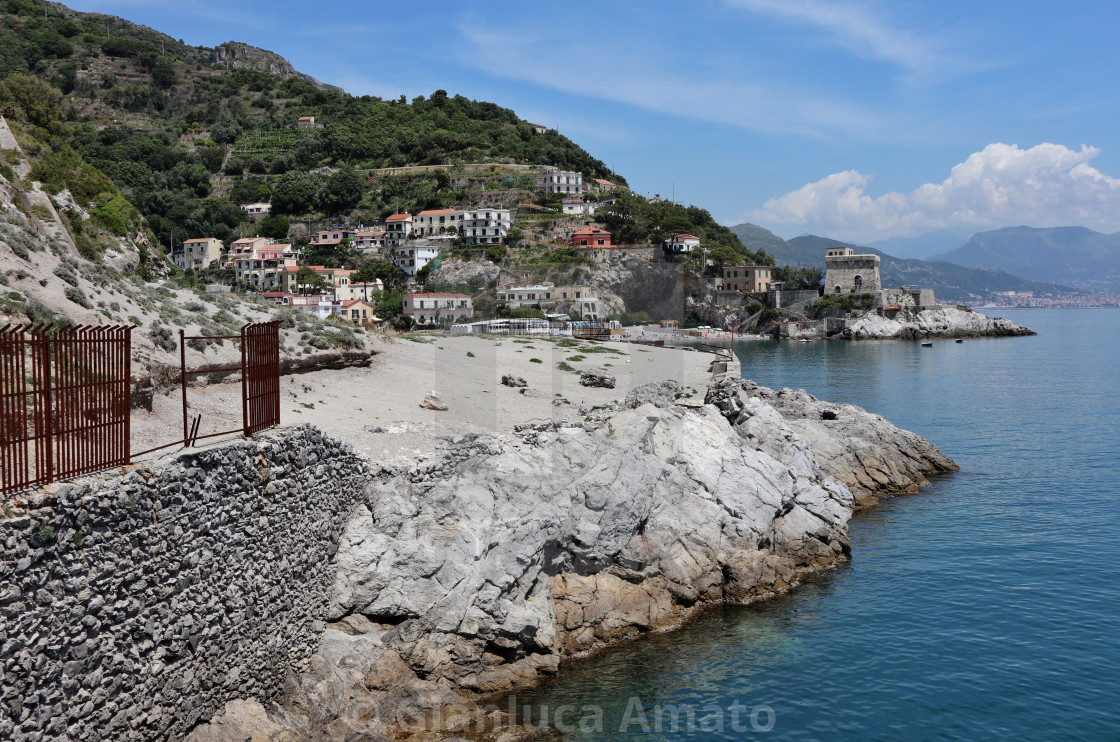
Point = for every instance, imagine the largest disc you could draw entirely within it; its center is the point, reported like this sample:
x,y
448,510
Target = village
x,y
416,244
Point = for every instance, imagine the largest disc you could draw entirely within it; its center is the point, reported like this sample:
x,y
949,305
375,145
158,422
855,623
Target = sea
x,y
985,607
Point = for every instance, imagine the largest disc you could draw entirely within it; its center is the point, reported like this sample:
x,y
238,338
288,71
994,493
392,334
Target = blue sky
x,y
853,119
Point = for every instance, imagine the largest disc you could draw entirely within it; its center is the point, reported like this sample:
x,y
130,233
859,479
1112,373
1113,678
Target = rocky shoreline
x,y
941,322
478,574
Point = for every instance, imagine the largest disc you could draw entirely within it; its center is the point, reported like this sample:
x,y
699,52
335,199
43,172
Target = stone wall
x,y
843,271
134,606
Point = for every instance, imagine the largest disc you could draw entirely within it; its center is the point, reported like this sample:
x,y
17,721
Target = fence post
x,y
48,412
183,379
245,380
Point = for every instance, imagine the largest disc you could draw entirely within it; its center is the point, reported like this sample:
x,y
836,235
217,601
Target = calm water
x,y
985,607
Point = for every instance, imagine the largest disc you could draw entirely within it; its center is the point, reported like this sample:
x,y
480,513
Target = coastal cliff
x,y
480,573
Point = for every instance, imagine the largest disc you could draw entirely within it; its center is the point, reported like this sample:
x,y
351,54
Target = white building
x,y
398,228
196,254
576,205
258,210
563,181
412,257
371,242
486,226
432,308
438,222
581,302
682,244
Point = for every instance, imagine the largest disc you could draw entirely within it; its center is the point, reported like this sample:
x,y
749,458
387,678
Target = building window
x,y
859,281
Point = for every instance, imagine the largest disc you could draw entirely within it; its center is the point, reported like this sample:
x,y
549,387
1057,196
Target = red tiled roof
x,y
685,237
197,239
272,294
590,230
399,217
433,212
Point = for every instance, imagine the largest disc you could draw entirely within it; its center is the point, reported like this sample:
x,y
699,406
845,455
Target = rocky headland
x,y
479,573
942,322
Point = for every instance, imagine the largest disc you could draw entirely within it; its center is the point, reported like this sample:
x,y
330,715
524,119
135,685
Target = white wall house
x,y
682,244
437,222
258,210
432,308
486,226
398,227
196,254
411,257
563,181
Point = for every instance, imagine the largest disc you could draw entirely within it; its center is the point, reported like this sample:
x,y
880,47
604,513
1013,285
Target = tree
x,y
723,255
275,226
308,281
342,191
294,193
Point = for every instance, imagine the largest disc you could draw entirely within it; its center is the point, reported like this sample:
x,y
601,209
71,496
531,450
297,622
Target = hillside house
x,y
602,186
257,210
411,257
538,128
486,226
264,265
305,122
428,309
398,228
576,205
591,237
581,302
338,280
750,278
371,242
329,237
682,244
196,254
357,312
563,181
437,222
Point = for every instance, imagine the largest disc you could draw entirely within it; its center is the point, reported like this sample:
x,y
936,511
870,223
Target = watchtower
x,y
848,273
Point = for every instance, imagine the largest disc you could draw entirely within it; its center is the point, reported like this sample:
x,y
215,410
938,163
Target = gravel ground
x,y
377,409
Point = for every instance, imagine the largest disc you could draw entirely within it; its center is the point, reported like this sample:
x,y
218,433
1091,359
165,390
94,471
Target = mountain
x,y
949,281
785,253
923,246
106,109
1074,255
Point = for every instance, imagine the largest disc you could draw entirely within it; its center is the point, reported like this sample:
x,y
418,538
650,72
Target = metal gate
x,y
64,402
260,376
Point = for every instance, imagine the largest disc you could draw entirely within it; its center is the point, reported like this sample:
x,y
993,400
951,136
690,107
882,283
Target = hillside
x,y
187,133
949,281
1074,255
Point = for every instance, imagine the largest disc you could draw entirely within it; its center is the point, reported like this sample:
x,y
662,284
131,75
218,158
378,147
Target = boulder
x,y
433,402
597,379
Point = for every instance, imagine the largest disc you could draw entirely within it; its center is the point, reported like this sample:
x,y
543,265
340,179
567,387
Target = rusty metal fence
x,y
64,402
66,396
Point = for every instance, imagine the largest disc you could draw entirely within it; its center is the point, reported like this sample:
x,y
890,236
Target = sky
x,y
859,120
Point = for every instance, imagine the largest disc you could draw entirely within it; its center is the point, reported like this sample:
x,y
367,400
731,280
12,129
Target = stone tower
x,y
848,273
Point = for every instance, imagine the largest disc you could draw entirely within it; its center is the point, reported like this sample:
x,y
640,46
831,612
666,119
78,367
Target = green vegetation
x,y
847,302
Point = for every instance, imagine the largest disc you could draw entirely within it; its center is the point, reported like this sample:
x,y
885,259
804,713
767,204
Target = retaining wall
x,y
134,606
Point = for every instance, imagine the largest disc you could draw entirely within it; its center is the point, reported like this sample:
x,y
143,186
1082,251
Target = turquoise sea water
x,y
986,607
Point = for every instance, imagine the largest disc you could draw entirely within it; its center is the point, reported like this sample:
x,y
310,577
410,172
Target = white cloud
x,y
1048,185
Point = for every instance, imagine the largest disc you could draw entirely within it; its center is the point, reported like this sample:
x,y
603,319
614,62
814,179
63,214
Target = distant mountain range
x,y
951,282
923,246
1077,256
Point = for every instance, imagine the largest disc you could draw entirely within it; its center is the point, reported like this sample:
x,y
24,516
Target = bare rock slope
x,y
482,572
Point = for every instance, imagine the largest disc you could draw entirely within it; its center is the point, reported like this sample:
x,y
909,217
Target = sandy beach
x,y
377,409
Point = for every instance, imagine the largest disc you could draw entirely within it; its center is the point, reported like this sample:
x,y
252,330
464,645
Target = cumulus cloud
x,y
1048,185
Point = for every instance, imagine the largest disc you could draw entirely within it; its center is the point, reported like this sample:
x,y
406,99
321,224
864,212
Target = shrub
x,y
75,295
63,271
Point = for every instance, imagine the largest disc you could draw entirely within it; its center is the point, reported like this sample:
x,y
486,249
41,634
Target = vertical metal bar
x,y
183,376
245,422
48,429
126,396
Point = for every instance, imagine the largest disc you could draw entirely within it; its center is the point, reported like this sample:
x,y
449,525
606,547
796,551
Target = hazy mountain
x,y
924,245
754,238
1074,255
949,281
